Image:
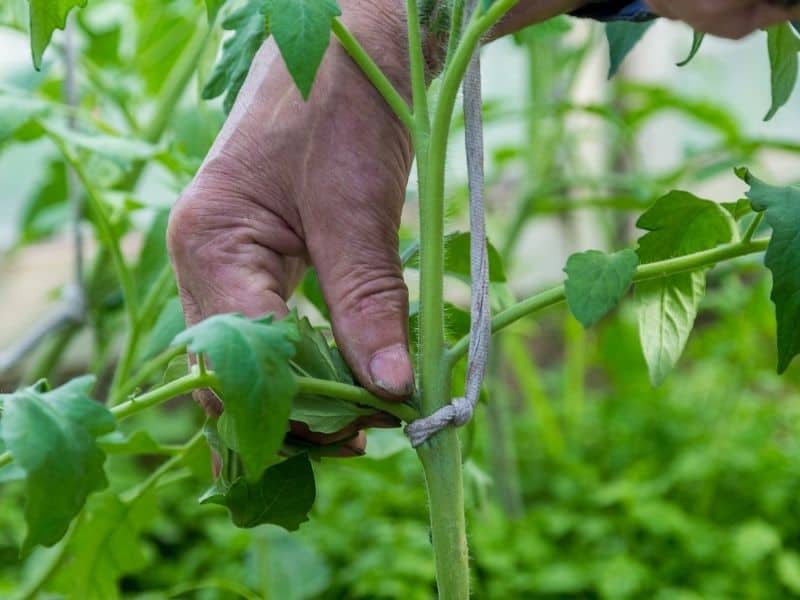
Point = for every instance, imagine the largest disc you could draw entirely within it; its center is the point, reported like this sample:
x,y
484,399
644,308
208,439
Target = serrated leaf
x,y
596,282
251,27
457,258
697,42
45,17
314,357
781,207
302,30
52,437
678,224
282,496
783,46
106,546
256,384
622,39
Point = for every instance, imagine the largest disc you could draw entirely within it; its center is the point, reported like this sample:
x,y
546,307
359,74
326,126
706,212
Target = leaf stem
x,y
753,227
419,88
149,369
159,395
373,72
664,268
356,395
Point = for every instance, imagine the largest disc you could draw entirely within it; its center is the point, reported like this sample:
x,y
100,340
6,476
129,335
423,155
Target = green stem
x,y
148,370
753,227
182,385
145,317
664,268
419,87
5,459
373,73
105,230
356,395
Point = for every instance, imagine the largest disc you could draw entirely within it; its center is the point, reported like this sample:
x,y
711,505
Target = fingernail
x,y
390,370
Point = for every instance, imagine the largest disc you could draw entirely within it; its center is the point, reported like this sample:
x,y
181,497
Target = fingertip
x,y
391,372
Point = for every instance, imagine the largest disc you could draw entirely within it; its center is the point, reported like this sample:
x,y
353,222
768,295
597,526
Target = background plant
x,y
560,431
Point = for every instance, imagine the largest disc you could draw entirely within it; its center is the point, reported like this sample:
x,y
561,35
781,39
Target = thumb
x,y
362,281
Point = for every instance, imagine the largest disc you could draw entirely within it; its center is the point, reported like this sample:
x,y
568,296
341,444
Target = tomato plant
x,y
267,372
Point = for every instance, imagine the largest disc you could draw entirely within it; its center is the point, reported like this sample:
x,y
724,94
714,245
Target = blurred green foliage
x,y
585,483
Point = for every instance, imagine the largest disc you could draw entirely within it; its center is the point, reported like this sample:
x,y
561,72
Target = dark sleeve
x,y
616,10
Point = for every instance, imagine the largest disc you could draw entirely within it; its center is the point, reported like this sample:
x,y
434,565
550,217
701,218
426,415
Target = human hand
x,y
290,183
726,18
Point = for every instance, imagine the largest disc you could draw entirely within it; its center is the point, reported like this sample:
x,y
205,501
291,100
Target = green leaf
x,y
282,496
46,210
106,546
302,30
46,16
457,258
787,565
781,207
783,46
312,290
697,42
169,324
17,111
138,442
212,7
52,437
256,384
251,27
326,415
677,224
622,38
596,282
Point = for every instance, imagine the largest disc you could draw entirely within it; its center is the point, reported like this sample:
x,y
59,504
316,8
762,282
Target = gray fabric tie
x,y
460,410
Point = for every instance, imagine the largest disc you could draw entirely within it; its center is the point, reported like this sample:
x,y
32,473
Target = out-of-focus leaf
x,y
251,27
256,384
783,45
16,112
106,546
45,17
457,258
622,38
787,564
138,442
697,42
753,541
302,30
781,207
46,210
120,151
596,282
169,324
677,224
326,415
52,437
283,495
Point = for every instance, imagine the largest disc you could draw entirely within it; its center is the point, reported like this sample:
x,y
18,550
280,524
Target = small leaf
x,y
697,42
622,38
302,30
781,207
120,151
783,46
457,258
596,282
16,111
282,496
138,442
52,437
251,27
326,415
107,545
256,384
678,224
169,324
46,16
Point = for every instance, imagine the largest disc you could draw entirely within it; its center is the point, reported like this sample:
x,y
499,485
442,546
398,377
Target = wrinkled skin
x,y
289,184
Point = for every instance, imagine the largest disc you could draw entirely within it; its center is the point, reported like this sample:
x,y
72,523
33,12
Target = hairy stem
x,y
373,72
356,395
664,268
